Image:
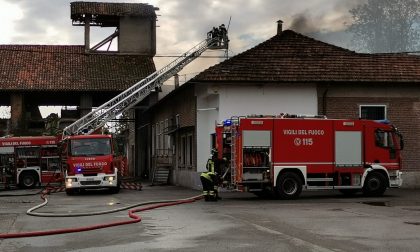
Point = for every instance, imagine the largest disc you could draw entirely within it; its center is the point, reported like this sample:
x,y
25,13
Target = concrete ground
x,y
318,221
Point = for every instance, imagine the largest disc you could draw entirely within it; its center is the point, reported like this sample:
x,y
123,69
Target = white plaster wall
x,y
188,179
242,100
267,99
207,115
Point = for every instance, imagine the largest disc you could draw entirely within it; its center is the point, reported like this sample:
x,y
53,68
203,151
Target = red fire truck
x,y
29,161
88,162
283,155
85,161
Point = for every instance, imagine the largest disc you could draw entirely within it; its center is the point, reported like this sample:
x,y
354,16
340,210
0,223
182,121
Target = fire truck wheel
x,y
28,179
375,184
289,185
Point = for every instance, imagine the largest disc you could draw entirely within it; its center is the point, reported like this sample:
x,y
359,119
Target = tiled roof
x,y
293,57
66,68
78,9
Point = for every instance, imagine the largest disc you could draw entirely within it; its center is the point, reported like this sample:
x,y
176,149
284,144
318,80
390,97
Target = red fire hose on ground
x,y
131,213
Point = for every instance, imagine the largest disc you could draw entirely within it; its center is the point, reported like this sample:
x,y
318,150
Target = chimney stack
x,y
279,27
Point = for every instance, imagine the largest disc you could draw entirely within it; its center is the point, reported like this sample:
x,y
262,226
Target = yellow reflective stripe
x,y
206,175
210,165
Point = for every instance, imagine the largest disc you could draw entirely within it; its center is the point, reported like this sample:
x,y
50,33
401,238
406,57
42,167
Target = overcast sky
x,y
184,23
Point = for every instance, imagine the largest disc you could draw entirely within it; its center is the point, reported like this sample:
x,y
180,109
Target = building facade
x,y
289,73
81,76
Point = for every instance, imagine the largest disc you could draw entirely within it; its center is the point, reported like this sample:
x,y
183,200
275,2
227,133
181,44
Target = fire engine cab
x,y
88,163
285,154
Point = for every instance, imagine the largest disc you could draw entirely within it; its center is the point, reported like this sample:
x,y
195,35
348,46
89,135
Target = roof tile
x,y
65,68
78,9
293,57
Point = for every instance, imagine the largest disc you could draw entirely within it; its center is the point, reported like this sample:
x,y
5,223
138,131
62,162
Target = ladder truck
x,y
87,158
282,155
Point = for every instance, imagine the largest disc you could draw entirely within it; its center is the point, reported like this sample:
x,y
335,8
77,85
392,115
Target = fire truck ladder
x,y
234,154
140,90
233,160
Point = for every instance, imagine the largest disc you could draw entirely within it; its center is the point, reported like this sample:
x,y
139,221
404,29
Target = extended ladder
x,y
133,95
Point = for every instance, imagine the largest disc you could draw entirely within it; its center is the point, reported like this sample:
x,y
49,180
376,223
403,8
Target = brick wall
x,y
17,113
403,112
184,104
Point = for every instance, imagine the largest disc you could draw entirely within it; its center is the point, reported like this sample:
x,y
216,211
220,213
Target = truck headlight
x,y
110,179
71,180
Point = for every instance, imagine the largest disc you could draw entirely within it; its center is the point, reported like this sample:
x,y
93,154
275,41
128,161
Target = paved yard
x,y
318,221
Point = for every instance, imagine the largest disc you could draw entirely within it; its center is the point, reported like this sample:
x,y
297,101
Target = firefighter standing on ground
x,y
210,179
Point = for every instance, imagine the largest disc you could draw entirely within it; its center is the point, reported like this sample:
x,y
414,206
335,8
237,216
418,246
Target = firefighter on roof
x,y
223,35
209,179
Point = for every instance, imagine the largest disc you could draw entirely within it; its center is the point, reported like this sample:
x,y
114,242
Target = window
x,y
186,156
167,137
384,139
153,140
157,138
161,142
373,112
183,150
90,147
177,120
50,163
190,150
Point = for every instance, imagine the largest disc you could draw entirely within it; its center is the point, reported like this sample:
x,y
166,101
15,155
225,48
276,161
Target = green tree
x,y
386,26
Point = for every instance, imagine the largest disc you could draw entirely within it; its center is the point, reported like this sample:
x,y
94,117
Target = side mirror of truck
x,y
401,143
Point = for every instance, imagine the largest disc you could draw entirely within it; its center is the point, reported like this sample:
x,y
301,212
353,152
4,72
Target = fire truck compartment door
x,y
261,138
7,150
348,148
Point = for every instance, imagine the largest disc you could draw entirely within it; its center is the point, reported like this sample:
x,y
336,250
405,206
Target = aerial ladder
x,y
98,117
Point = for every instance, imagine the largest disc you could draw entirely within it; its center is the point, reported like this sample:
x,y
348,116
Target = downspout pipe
x,y
324,102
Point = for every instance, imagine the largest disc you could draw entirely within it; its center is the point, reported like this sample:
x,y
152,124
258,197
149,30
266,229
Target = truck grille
x,y
92,170
90,182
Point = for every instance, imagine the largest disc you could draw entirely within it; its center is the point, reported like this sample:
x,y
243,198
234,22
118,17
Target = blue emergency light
x,y
385,121
227,122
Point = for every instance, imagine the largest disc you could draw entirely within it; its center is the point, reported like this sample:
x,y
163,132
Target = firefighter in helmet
x,y
8,172
210,178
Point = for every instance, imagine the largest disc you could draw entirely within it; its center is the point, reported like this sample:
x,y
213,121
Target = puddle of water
x,y
377,203
411,209
113,203
412,223
17,201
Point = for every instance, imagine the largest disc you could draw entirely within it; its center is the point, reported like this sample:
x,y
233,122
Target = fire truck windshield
x,y
90,147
